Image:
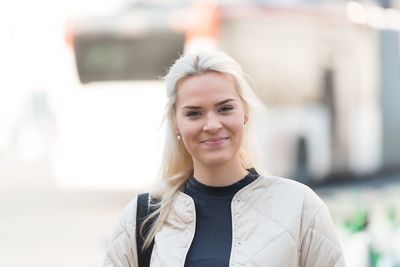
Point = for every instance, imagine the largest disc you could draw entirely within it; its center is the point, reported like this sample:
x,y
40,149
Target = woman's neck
x,y
221,175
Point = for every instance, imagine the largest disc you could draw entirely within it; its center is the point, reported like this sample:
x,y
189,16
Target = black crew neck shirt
x,y
212,242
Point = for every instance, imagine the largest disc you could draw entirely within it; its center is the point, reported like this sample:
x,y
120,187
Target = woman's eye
x,y
225,109
193,114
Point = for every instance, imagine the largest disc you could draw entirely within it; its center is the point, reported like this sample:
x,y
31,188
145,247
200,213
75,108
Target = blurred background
x,y
81,105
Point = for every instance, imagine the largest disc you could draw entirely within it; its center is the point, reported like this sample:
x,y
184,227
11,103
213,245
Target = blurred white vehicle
x,y
109,135
109,110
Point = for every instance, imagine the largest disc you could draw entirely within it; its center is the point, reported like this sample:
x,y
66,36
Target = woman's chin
x,y
214,160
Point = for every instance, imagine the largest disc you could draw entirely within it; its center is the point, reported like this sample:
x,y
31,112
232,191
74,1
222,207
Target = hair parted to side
x,y
177,163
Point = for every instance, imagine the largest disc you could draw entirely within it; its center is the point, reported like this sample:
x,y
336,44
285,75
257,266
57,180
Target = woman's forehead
x,y
209,87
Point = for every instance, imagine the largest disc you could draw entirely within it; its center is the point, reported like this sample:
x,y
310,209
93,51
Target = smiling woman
x,y
210,118
215,205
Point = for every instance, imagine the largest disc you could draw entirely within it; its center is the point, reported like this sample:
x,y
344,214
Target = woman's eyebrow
x,y
224,102
191,107
218,104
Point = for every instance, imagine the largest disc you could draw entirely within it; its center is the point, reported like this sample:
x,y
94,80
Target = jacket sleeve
x,y
121,250
320,246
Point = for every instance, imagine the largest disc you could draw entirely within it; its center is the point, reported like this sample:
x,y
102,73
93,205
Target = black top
x,y
212,241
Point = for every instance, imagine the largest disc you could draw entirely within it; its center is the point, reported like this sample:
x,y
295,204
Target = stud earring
x,y
179,137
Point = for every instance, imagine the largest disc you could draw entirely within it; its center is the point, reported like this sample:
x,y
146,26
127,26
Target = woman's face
x,y
210,117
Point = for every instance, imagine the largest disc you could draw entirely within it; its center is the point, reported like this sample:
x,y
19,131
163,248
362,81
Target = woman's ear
x,y
176,129
174,124
177,132
246,118
246,112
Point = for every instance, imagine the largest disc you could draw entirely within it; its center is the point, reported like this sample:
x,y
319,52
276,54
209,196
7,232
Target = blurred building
x,y
328,71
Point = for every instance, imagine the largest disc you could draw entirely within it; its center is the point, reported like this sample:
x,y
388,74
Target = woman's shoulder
x,y
121,250
282,198
282,187
127,218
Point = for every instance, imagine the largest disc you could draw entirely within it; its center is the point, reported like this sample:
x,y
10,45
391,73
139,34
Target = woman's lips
x,y
214,141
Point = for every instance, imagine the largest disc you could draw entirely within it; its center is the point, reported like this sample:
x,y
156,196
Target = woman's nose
x,y
212,124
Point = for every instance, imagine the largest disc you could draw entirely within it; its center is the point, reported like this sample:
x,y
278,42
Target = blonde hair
x,y
177,163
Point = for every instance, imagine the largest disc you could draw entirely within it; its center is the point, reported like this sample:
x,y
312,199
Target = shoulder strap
x,y
142,211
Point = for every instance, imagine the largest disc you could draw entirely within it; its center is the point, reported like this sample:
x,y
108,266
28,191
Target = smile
x,y
215,141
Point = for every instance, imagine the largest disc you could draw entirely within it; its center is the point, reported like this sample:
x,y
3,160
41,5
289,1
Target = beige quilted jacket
x,y
275,222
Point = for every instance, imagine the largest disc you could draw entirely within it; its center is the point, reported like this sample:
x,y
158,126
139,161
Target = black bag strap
x,y
142,211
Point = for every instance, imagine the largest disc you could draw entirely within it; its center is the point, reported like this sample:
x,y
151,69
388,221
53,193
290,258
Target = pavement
x,y
42,225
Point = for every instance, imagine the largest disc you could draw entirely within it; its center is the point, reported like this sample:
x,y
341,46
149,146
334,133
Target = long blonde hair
x,y
177,163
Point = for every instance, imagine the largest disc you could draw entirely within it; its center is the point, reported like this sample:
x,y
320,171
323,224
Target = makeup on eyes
x,y
197,111
193,114
225,108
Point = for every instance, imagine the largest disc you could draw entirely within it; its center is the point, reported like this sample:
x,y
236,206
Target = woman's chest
x,y
256,241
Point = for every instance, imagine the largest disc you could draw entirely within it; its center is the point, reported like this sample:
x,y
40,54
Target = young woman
x,y
217,207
